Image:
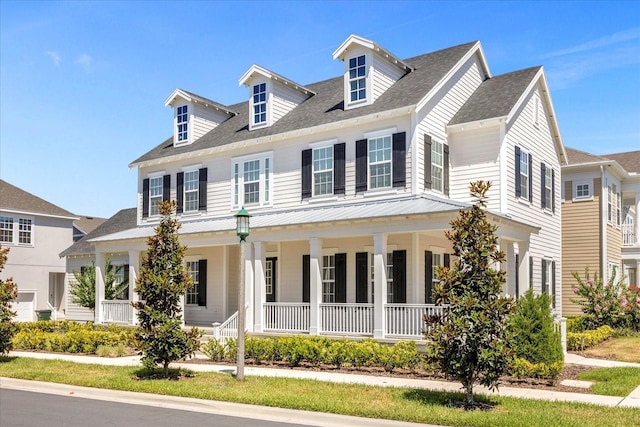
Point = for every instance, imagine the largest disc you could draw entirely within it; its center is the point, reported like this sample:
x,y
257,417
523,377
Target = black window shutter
x,y
428,277
399,159
339,168
341,278
307,156
530,271
553,190
362,277
126,278
306,277
361,166
180,192
274,274
543,192
543,265
399,277
530,178
427,162
517,260
83,269
202,189
518,181
145,198
202,282
445,149
166,188
553,284
447,260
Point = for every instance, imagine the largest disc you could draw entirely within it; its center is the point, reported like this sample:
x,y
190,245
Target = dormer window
x,y
182,121
260,103
357,78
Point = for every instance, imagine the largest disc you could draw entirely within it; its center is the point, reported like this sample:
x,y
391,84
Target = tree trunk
x,y
166,369
470,393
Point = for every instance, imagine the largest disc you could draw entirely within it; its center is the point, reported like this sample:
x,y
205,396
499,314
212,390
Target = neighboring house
x,y
84,225
600,227
352,182
82,253
36,231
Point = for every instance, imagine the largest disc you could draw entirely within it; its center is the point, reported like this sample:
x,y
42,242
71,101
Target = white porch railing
x,y
228,329
54,311
628,234
117,311
283,316
356,319
407,320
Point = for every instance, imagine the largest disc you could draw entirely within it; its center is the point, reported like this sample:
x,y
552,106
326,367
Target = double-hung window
x,y
437,165
549,280
155,194
583,191
357,78
252,180
6,229
260,103
182,123
380,162
524,175
16,231
323,171
191,190
193,270
328,278
609,204
548,185
618,209
24,231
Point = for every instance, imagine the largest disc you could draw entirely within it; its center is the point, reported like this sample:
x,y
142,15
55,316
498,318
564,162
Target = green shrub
x,y
522,368
260,350
580,340
534,336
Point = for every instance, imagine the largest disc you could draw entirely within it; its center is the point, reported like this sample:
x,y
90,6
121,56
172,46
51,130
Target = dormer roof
x,y
354,40
255,70
192,97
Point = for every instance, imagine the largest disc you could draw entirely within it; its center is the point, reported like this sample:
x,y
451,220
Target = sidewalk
x,y
632,400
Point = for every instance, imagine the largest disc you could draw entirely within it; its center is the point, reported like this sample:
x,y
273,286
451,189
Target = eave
x,y
256,69
341,51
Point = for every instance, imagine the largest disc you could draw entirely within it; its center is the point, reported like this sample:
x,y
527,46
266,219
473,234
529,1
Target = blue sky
x,y
83,84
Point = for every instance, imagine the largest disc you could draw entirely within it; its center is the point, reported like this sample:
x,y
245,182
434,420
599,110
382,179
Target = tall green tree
x,y
470,339
8,294
83,290
163,280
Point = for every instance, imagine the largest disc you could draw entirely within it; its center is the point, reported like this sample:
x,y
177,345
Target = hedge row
x,y
522,368
70,337
295,350
581,340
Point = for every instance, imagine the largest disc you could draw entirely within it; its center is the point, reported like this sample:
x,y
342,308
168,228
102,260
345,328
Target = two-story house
x,y
36,231
351,183
600,227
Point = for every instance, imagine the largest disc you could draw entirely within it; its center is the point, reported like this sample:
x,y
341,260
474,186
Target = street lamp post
x,y
242,231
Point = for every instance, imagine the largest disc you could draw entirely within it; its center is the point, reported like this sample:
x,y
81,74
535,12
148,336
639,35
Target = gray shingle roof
x,y
326,106
577,157
630,160
16,199
204,100
122,220
87,224
495,97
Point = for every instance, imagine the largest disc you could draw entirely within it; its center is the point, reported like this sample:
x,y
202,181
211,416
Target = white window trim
x,y
263,180
313,171
187,141
390,186
269,104
368,59
575,198
186,260
609,202
15,235
150,176
195,212
525,198
442,144
381,132
548,180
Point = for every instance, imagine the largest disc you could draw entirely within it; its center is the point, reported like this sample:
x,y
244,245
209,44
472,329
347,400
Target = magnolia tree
x,y
162,282
8,294
469,340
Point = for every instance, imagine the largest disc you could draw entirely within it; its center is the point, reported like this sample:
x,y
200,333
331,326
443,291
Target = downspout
x,y
603,223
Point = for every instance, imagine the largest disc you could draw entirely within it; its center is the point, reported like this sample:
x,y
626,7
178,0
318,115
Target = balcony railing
x,y
629,237
290,317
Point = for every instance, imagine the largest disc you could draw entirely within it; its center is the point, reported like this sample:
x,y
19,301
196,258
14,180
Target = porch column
x,y
523,268
379,284
636,222
248,285
100,261
315,284
259,286
134,265
510,267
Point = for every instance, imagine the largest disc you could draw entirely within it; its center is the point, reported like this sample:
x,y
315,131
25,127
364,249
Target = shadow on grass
x,y
7,359
450,400
175,374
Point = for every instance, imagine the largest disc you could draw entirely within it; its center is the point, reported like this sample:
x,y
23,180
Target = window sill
x,y
195,307
380,192
323,199
192,214
582,199
524,201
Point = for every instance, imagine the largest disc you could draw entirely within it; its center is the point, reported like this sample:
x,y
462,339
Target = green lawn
x,y
358,400
612,381
624,349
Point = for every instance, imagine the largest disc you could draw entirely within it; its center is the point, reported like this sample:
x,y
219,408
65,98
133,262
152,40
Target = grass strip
x,y
402,404
618,381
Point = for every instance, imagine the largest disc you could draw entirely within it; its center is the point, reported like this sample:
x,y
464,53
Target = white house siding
x,y
538,141
205,119
384,74
474,155
438,112
214,311
30,266
284,99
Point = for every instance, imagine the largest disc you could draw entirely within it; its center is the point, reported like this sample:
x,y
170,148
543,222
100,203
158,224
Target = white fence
x,y
293,317
351,319
117,311
407,320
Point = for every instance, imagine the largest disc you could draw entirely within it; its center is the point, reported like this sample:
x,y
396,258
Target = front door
x,y
270,275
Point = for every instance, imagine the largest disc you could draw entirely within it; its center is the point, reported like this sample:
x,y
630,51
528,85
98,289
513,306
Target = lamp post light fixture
x,y
242,231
